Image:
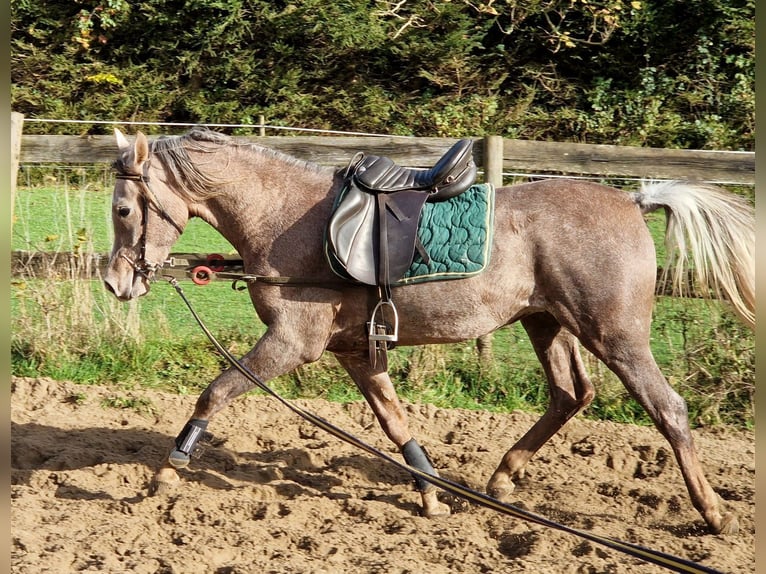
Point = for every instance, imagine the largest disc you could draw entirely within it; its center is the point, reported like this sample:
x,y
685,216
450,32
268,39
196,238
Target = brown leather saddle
x,y
372,234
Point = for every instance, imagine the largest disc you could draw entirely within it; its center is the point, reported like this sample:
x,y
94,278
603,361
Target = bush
x,y
678,75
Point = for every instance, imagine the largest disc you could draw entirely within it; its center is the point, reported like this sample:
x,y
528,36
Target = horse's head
x,y
148,218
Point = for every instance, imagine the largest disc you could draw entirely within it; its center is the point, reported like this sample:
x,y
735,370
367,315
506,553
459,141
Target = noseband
x,y
143,266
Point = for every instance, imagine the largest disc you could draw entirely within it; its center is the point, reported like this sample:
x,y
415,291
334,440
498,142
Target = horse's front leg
x,y
377,388
278,352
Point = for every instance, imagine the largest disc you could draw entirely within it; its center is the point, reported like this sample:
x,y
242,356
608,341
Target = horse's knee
x,y
566,405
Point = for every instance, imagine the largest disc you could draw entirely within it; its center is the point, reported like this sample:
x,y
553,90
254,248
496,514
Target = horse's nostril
x,y
109,287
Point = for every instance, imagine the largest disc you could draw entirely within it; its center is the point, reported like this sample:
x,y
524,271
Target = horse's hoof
x,y
729,525
164,482
432,508
438,511
178,459
500,488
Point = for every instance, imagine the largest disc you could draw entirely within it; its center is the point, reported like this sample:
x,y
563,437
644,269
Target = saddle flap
x,y
375,243
350,234
398,233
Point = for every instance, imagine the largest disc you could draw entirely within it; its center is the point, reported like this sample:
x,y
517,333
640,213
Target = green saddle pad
x,y
457,235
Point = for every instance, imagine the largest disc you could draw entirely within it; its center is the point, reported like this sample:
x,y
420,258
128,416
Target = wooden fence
x,y
495,156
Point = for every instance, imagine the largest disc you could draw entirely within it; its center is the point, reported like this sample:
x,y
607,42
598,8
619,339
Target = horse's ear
x,y
141,148
122,142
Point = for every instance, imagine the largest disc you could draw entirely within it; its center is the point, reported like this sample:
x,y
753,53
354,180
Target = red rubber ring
x,y
202,275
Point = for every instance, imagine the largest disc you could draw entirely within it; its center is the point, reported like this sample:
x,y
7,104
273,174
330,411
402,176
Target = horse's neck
x,y
268,217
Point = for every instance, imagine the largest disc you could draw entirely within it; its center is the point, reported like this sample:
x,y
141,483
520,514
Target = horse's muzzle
x,y
124,282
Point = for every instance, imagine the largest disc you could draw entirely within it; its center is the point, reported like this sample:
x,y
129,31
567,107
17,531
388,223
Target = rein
x,y
662,559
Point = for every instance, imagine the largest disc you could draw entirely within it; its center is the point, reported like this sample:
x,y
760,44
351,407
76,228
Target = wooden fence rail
x,y
518,156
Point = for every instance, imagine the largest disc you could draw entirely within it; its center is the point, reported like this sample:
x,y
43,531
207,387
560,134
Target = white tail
x,y
711,232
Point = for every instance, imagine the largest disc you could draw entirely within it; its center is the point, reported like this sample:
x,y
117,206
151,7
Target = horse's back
x,y
577,250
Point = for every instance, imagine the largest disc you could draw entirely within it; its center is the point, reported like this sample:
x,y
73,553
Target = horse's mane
x,y
200,179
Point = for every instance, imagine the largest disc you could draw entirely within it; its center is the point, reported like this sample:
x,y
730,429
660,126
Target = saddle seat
x,y
452,175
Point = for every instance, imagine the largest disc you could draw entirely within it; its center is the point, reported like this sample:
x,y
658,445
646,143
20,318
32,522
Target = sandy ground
x,y
270,493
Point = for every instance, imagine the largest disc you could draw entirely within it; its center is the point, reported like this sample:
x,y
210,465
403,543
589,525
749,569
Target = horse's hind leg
x,y
377,388
570,392
637,369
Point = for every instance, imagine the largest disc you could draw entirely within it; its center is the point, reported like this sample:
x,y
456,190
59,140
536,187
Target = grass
x,y
53,218
74,330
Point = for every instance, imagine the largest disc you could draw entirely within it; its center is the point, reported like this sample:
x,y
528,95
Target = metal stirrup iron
x,y
381,334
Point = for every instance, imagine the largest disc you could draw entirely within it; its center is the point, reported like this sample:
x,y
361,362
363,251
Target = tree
x,y
601,71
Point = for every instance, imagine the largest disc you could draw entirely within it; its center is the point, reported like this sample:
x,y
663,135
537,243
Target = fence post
x,y
493,160
17,126
493,173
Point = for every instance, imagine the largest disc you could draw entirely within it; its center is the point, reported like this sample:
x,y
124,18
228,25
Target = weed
x,y
140,405
76,399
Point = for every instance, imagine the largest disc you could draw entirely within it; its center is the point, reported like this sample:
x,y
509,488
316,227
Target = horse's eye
x,y
123,211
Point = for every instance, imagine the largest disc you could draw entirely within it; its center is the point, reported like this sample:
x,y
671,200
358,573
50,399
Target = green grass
x,y
56,219
75,330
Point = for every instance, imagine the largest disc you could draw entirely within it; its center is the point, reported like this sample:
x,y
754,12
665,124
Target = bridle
x,y
142,265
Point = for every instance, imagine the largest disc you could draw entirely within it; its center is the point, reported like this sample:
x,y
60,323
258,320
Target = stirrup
x,y
382,335
379,330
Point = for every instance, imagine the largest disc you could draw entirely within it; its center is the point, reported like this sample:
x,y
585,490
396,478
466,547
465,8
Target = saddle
x,y
452,175
372,234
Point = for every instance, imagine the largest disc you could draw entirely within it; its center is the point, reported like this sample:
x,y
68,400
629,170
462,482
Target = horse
x,y
572,260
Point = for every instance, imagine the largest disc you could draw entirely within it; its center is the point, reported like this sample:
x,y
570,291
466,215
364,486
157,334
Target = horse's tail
x,y
711,232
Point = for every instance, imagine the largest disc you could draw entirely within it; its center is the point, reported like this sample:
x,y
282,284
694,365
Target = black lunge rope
x,y
662,559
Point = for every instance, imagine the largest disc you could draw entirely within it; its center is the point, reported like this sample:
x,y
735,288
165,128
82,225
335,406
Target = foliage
x,y
601,71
